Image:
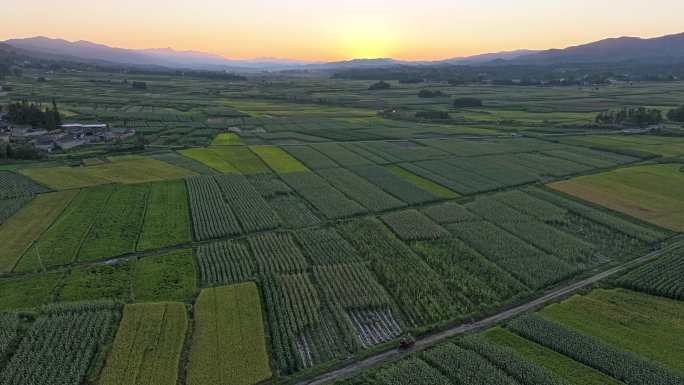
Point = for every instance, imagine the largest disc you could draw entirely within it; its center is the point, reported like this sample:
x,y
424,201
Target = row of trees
x,y
18,151
639,116
677,114
34,115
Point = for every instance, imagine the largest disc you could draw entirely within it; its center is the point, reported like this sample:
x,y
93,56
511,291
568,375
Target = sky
x,y
323,30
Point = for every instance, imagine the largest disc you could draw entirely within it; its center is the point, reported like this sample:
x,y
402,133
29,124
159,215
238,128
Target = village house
x,y
67,137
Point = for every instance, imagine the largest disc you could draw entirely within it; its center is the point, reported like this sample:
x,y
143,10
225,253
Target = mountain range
x,y
665,49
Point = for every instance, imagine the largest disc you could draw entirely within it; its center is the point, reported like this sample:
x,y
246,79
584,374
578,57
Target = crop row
x,y
474,281
224,262
450,212
642,232
537,233
14,186
412,225
530,265
303,332
325,246
147,346
341,155
10,324
9,207
661,277
276,253
463,366
359,189
251,210
329,201
269,185
416,288
508,361
394,185
605,240
624,366
61,344
211,214
294,212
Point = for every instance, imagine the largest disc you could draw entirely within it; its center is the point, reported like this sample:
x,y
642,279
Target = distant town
x,y
29,124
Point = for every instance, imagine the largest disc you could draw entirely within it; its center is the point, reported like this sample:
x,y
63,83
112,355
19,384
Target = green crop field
x,y
423,183
60,244
166,277
18,232
167,219
226,139
210,158
656,145
148,345
35,291
639,323
116,229
278,160
137,170
572,371
653,193
229,342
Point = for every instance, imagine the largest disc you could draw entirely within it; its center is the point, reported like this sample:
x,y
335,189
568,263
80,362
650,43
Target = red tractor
x,y
407,341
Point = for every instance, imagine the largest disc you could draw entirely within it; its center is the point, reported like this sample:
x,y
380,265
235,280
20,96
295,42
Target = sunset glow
x,y
326,30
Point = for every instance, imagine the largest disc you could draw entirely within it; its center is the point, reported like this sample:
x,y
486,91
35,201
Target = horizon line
x,y
328,60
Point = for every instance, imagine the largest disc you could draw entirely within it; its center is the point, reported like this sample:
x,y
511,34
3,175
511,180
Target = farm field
x,y
642,324
227,139
19,231
564,367
61,343
662,277
147,346
229,343
656,145
271,230
653,193
123,171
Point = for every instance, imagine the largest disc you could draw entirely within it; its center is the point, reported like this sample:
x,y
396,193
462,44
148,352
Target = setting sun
x,y
367,40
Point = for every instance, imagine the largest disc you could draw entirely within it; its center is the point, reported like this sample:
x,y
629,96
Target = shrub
x,y
467,102
381,85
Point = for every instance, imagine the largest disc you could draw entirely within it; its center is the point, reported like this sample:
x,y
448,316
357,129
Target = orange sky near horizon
x,y
325,30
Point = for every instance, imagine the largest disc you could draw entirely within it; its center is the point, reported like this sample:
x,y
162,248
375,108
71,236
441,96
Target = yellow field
x,y
228,346
148,345
278,160
120,171
18,232
653,193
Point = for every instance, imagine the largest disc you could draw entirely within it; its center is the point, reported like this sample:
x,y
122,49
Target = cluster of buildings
x,y
68,136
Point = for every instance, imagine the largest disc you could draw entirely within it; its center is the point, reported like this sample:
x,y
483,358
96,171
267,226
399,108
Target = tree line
x,y
35,115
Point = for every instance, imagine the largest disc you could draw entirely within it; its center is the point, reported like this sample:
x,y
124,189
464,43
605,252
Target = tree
x,y
381,85
430,94
139,85
676,115
34,115
639,116
432,115
57,115
467,102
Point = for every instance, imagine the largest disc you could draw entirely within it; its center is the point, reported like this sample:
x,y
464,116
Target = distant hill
x,y
665,49
488,57
86,51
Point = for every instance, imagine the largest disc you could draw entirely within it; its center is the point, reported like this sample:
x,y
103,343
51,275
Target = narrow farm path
x,y
433,339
